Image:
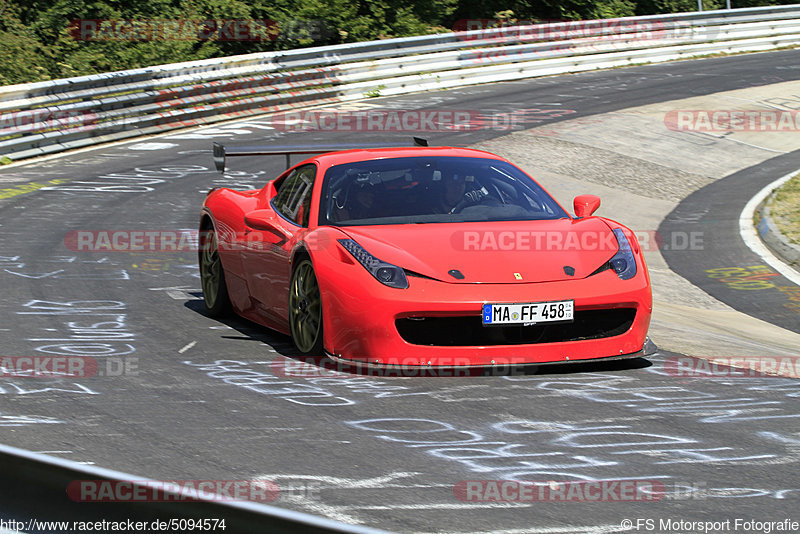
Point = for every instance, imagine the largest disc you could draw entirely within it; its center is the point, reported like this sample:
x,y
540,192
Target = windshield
x,y
431,190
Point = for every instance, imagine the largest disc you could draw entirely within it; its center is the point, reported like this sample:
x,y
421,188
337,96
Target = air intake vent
x,y
455,273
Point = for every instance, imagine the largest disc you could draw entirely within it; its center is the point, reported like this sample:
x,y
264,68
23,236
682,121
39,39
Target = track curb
x,y
772,236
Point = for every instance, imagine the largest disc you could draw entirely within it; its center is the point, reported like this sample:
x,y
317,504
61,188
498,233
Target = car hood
x,y
493,252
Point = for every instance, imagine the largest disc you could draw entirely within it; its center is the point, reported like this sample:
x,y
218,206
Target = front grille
x,y
469,330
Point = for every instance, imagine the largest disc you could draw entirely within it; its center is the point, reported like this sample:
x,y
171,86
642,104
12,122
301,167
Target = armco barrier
x,y
46,117
33,488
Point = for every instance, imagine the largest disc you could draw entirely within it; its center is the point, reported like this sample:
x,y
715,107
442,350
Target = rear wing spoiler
x,y
221,153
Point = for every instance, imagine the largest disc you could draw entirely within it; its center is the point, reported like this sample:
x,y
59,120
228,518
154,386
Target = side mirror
x,y
585,205
261,220
269,191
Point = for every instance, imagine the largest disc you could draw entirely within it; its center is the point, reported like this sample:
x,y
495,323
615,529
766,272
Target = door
x,y
266,260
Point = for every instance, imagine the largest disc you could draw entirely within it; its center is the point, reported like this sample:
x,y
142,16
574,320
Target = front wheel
x,y
212,276
305,309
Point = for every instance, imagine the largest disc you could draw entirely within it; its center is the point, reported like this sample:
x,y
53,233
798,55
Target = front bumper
x,y
360,318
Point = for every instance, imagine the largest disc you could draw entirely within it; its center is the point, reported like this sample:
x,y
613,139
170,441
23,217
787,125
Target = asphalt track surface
x,y
208,399
726,268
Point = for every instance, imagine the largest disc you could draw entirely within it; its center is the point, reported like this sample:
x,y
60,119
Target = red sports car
x,y
423,256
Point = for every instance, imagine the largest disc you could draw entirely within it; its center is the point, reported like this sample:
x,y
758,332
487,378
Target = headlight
x,y
623,262
385,273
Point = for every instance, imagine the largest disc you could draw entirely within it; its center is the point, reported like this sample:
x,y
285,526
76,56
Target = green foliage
x,y
25,58
39,43
374,93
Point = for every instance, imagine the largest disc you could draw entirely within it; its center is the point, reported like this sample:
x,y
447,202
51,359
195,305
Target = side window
x,y
293,200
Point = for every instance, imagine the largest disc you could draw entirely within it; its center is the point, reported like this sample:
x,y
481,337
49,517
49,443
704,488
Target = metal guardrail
x,y
46,117
34,491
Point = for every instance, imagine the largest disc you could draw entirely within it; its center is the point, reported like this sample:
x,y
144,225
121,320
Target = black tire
x,y
305,309
212,275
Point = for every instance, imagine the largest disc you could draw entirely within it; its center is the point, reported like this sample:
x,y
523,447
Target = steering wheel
x,y
470,198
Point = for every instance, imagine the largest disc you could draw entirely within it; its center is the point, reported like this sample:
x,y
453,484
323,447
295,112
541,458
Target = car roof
x,y
366,154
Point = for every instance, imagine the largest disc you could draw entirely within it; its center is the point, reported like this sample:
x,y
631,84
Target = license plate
x,y
528,313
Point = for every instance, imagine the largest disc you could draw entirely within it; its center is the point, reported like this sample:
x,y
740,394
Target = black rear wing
x,y
221,153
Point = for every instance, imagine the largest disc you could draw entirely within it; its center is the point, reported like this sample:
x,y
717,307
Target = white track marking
x,y
151,146
750,235
178,292
324,510
187,347
779,438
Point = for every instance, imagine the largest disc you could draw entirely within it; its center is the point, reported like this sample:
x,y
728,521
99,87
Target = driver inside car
x,y
360,202
458,191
